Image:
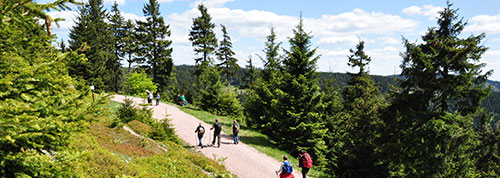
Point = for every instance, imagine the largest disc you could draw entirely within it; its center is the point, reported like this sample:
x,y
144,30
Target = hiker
x,y
305,162
218,127
201,131
236,130
157,98
286,169
150,97
184,100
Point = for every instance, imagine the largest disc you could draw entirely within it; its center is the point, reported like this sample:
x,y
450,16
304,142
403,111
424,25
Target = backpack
x,y
201,130
287,168
306,160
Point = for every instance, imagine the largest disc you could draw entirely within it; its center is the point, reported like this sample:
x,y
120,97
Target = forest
x,y
439,120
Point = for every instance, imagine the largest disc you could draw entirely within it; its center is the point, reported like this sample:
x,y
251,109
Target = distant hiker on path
x,y
305,162
236,130
286,169
150,97
201,131
183,98
157,98
218,127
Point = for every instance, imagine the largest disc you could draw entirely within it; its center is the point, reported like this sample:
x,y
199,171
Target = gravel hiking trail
x,y
241,159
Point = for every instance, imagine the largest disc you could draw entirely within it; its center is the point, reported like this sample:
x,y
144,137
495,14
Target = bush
x,y
128,112
138,83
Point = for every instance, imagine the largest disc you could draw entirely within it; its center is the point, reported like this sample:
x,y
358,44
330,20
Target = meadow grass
x,y
103,151
255,139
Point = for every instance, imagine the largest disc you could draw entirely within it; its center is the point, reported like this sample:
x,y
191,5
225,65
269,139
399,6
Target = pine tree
x,y
226,55
41,106
154,48
297,122
117,24
216,98
359,156
203,39
251,74
429,123
265,91
130,43
92,36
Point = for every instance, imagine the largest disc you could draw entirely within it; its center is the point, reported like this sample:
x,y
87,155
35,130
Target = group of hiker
x,y
286,168
151,97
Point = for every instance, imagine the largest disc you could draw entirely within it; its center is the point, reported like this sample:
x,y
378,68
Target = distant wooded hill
x,y
186,80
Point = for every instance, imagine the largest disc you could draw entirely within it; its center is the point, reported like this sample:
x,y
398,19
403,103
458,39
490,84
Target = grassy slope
x,y
113,152
253,138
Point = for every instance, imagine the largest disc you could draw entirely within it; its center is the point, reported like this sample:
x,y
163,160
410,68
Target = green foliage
x,y
117,23
216,98
360,155
429,129
138,83
203,40
153,47
226,55
91,36
41,106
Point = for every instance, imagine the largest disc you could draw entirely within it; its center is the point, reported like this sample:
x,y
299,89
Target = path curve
x,y
242,160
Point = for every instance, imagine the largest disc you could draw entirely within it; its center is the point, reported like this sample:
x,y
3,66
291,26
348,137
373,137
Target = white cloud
x,y
492,58
131,16
211,3
68,16
427,10
119,2
484,23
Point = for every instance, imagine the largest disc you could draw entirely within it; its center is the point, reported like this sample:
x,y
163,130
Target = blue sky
x,y
337,26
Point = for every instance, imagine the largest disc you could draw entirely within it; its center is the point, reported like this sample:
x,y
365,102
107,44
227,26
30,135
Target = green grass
x,y
103,151
259,141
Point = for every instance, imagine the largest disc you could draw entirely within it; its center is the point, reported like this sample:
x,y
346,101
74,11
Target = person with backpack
x,y
201,131
150,97
286,169
183,98
218,128
236,130
305,162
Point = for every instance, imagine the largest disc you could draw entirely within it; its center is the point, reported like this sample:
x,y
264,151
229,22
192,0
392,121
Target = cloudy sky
x,y
336,25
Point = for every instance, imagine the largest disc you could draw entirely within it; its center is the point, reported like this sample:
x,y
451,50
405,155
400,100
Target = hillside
x,y
185,80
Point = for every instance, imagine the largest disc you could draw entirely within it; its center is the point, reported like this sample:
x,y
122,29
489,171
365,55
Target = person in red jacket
x,y
305,162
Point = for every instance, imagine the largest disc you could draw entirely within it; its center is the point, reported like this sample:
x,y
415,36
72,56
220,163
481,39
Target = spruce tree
x,y
226,56
265,91
360,156
297,122
154,48
92,36
117,24
251,74
429,123
41,106
130,43
216,98
203,39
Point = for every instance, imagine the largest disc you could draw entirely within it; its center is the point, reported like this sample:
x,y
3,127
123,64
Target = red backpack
x,y
307,161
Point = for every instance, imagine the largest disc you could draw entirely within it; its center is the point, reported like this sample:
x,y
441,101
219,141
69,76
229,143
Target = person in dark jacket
x,y
236,130
218,128
201,131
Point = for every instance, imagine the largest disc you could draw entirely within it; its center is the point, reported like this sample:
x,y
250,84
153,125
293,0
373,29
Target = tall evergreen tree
x,y
154,48
297,122
226,56
117,24
360,156
130,43
429,126
251,74
92,36
265,90
203,39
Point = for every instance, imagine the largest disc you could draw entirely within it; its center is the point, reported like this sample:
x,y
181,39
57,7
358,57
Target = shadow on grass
x,y
257,140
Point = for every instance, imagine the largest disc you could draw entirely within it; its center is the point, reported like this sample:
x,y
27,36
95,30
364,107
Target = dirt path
x,y
242,160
